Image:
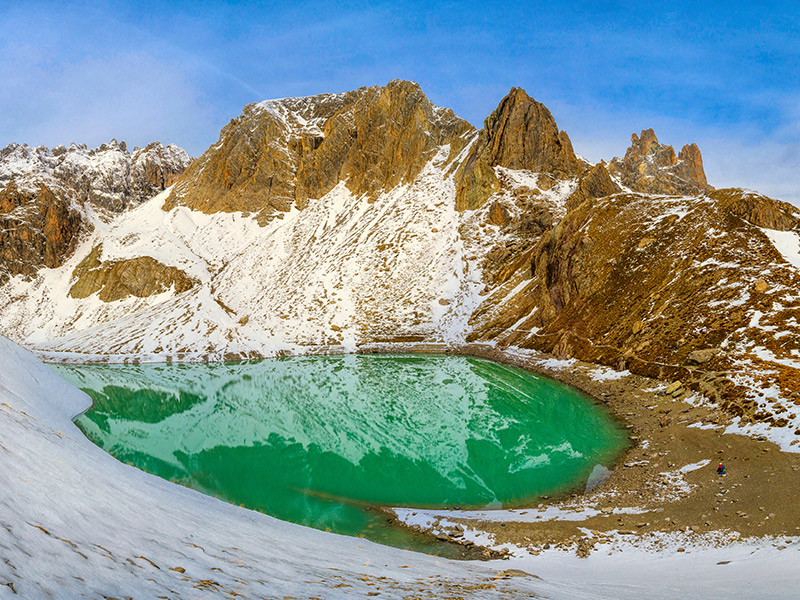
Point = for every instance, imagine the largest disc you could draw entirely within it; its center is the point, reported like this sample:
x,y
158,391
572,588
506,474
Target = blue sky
x,y
726,78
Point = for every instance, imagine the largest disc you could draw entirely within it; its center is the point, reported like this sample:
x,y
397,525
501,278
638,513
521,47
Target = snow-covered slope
x,y
342,271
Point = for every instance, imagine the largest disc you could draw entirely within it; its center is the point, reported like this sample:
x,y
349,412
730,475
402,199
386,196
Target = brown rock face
x,y
595,183
38,228
395,132
690,165
282,152
141,277
653,168
655,287
475,182
520,134
757,209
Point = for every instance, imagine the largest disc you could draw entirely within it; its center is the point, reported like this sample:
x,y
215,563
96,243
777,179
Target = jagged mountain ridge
x,y
45,195
342,220
653,168
107,176
283,152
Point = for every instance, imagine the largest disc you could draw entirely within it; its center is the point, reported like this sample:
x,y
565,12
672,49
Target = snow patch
x,y
787,243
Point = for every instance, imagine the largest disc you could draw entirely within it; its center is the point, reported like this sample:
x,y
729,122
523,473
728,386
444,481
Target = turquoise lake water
x,y
324,440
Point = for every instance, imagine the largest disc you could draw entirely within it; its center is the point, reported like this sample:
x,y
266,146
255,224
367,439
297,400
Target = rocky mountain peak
x,y
280,153
406,226
112,145
644,144
107,176
520,134
652,167
691,164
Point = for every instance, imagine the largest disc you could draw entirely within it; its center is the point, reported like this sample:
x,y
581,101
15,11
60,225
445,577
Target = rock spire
x,y
652,167
520,134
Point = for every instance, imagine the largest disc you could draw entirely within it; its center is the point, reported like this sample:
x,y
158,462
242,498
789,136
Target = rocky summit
x,y
653,168
280,153
345,222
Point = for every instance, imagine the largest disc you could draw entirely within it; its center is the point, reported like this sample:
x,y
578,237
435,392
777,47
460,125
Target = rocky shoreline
x,y
664,486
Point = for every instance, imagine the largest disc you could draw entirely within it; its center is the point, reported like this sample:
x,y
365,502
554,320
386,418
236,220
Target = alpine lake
x,y
326,441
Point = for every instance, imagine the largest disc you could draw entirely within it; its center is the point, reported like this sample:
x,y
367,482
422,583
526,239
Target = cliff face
x,y
595,183
280,153
38,228
141,276
44,192
374,216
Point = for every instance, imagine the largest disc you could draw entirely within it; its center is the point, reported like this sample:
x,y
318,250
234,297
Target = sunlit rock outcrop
x,y
653,168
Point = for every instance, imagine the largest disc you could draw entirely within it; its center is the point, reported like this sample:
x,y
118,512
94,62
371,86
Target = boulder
x,y
699,357
760,286
673,387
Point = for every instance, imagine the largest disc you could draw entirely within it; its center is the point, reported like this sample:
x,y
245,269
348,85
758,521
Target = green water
x,y
324,440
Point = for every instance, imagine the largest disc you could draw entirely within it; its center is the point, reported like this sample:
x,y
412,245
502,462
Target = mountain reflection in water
x,y
320,440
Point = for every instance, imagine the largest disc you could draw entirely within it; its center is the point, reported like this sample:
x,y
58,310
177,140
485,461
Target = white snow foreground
x,y
76,523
